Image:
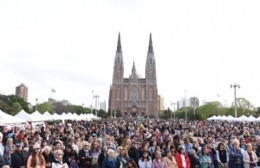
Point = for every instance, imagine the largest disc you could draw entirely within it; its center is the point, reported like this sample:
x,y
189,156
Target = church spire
x,y
119,48
150,48
133,68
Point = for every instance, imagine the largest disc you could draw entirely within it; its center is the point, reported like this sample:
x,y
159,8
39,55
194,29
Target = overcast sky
x,y
200,46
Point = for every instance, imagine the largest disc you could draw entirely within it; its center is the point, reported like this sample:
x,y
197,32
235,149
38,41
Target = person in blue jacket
x,y
110,161
235,156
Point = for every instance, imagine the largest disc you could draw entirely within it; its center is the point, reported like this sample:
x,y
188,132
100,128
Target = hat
x,y
36,146
94,135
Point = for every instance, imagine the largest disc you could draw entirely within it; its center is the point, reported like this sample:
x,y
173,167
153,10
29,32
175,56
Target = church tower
x,y
116,92
151,82
134,96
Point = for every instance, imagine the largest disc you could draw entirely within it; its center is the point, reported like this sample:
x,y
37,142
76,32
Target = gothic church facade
x,y
134,96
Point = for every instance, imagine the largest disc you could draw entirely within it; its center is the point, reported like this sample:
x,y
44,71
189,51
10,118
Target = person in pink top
x,y
159,162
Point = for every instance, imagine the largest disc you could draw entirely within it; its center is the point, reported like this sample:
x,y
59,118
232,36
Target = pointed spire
x,y
133,68
150,48
119,48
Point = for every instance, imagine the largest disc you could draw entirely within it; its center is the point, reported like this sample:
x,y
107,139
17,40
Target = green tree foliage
x,y
12,104
43,107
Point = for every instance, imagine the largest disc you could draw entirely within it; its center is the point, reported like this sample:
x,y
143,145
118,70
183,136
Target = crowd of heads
x,y
126,142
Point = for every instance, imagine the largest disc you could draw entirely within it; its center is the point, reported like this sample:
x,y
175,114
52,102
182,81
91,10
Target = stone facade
x,y
134,96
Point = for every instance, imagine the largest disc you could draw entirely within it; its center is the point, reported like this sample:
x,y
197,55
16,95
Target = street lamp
x,y
36,100
235,86
95,97
173,108
186,118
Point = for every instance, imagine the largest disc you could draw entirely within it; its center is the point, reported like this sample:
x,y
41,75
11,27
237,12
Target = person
x,y
145,161
170,160
17,159
235,156
131,164
85,156
58,161
110,161
36,160
182,159
222,156
123,158
95,152
249,157
205,159
70,156
194,159
135,152
9,149
158,161
48,156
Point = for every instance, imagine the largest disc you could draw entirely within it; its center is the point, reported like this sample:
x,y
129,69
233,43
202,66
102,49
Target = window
x,y
125,94
118,93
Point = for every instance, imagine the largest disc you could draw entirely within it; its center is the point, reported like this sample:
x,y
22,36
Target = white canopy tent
x,y
23,115
9,119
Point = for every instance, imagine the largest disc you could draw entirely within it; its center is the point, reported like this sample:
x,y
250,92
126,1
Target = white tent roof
x,y
9,119
37,116
23,115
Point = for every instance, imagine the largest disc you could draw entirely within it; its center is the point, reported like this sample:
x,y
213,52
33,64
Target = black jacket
x,y
17,159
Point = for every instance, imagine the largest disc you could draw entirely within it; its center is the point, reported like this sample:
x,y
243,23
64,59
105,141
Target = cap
x,y
94,135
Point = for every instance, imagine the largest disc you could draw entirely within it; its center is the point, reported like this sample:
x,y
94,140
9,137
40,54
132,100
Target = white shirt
x,y
183,161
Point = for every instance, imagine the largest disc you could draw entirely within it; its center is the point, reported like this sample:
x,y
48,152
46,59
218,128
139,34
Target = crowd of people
x,y
132,143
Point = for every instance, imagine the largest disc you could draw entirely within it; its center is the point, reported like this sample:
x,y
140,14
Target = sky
x,y
201,46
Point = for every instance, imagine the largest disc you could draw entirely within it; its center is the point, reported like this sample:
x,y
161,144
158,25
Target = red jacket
x,y
179,161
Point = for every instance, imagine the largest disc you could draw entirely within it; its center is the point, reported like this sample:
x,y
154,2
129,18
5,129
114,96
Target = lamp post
x,y
186,118
173,108
235,86
36,100
95,97
194,112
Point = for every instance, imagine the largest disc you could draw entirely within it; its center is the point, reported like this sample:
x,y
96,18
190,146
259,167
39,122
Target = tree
x,y
16,107
44,107
245,106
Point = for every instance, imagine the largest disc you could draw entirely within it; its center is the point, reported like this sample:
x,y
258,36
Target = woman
x,y
131,164
9,149
145,161
58,161
123,158
70,156
205,160
194,159
182,159
110,160
249,157
159,162
36,160
222,156
170,160
235,155
95,152
85,156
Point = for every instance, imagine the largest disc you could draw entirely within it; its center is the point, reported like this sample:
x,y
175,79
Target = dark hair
x,y
148,157
34,155
133,163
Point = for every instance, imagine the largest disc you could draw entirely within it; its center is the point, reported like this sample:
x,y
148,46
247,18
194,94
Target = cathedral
x,y
134,96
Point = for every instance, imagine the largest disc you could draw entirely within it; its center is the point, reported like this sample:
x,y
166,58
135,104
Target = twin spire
x,y
119,47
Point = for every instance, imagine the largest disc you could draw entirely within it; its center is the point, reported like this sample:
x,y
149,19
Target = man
x,y
134,152
17,159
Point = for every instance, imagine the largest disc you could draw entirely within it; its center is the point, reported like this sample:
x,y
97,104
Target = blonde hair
x,y
235,141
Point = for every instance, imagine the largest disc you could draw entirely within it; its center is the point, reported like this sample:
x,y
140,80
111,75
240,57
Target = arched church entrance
x,y
134,111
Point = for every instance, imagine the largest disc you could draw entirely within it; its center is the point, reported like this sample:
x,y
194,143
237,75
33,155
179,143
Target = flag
x,y
53,90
